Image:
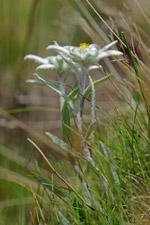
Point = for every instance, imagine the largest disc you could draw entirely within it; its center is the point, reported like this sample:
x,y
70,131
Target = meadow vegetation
x,y
75,137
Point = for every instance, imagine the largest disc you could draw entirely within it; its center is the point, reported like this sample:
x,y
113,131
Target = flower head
x,y
71,59
85,55
54,63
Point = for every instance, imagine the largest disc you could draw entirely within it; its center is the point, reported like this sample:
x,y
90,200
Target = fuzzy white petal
x,y
36,58
45,67
58,49
108,53
109,45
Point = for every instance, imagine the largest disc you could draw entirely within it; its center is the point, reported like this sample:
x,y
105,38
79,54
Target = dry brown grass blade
x,y
92,7
106,24
142,11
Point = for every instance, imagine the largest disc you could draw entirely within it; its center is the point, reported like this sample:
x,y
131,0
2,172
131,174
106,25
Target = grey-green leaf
x,y
97,82
55,87
51,83
63,145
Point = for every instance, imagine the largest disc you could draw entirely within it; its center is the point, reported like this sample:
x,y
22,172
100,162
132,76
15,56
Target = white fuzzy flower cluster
x,y
86,56
53,63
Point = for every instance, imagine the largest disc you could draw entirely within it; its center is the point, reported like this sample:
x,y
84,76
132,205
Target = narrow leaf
x,y
51,83
63,145
97,82
57,90
63,219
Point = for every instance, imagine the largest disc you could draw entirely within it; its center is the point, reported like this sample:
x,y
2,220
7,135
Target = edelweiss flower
x,y
54,63
57,63
85,55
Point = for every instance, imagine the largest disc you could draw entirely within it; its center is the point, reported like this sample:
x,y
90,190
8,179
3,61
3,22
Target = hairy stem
x,y
82,86
62,89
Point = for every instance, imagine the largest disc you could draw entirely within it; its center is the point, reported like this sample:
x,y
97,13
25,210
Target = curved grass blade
x,y
62,219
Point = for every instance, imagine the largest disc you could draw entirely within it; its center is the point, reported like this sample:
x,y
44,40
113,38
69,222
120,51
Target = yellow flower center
x,y
84,45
